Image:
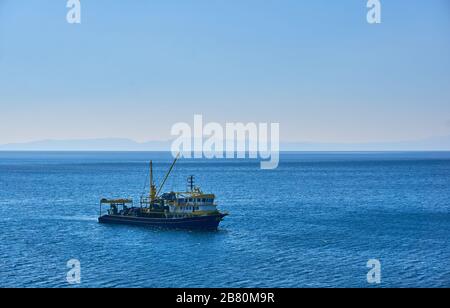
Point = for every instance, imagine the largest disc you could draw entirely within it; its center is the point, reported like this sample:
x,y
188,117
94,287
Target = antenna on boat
x,y
191,182
168,173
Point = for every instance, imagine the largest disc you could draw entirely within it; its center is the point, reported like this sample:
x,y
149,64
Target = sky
x,y
132,69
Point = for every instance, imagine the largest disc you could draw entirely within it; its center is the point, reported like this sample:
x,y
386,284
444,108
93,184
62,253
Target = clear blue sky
x,y
133,68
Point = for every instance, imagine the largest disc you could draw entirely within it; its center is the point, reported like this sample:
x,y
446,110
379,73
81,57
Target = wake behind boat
x,y
191,209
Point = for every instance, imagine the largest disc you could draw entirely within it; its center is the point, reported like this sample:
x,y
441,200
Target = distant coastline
x,y
129,145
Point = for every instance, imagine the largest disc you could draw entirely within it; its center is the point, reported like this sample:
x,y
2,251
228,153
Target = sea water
x,y
314,222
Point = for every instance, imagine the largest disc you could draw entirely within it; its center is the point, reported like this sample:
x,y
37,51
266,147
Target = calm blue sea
x,y
313,222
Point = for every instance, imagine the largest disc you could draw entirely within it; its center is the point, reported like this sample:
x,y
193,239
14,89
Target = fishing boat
x,y
192,209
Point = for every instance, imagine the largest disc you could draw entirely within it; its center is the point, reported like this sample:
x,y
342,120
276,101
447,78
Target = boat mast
x,y
152,186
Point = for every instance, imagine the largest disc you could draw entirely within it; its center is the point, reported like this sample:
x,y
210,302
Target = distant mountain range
x,y
117,144
429,144
105,144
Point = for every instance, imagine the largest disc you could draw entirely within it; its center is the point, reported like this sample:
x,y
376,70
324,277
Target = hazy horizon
x,y
125,144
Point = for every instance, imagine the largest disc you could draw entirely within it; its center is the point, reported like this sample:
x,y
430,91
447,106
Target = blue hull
x,y
189,223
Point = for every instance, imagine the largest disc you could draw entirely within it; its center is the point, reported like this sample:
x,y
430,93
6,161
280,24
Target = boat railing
x,y
114,202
